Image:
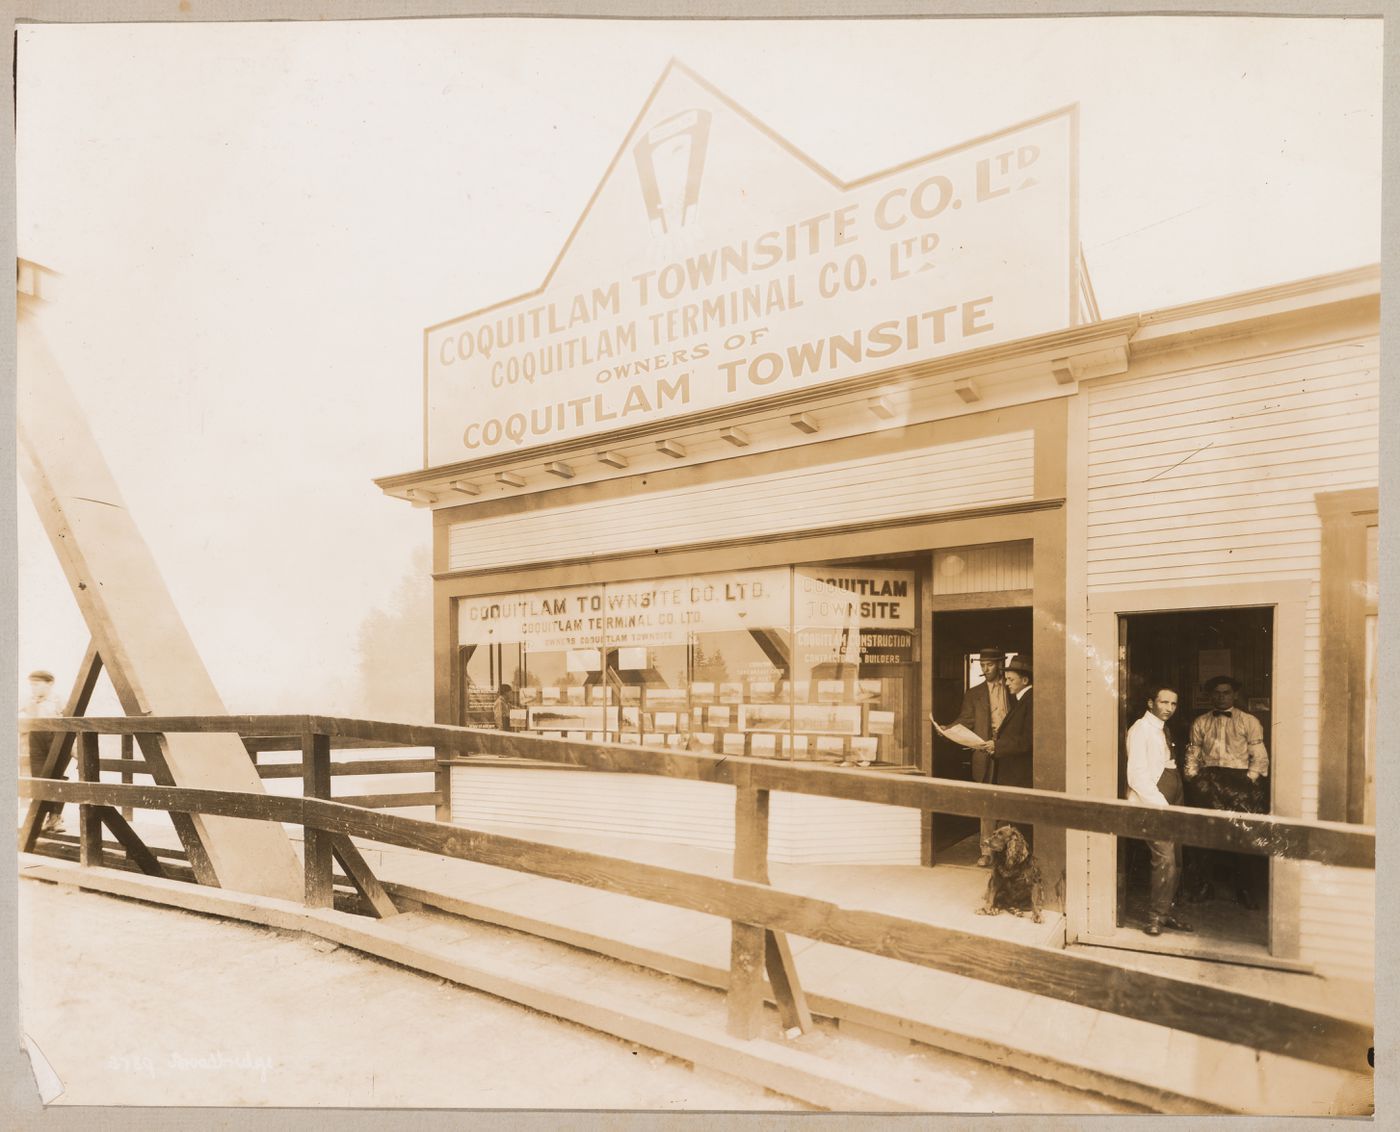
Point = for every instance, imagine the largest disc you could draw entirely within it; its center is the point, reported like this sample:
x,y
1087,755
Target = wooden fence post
x,y
128,753
754,950
442,783
89,817
746,949
316,783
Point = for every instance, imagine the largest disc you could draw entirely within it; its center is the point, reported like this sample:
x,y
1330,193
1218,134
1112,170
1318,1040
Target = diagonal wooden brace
x,y
153,751
136,850
753,948
787,991
359,872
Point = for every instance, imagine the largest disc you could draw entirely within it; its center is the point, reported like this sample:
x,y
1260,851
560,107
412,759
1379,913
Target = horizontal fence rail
x,y
1209,1011
1330,843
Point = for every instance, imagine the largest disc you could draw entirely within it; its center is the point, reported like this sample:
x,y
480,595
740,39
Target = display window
x,y
805,662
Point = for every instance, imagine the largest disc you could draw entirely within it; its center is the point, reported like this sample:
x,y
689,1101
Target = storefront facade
x,y
807,569
1230,528
702,626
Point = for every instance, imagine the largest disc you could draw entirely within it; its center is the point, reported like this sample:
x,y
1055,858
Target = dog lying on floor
x,y
1015,881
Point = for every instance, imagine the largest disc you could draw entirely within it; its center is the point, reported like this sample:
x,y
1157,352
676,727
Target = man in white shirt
x,y
1153,780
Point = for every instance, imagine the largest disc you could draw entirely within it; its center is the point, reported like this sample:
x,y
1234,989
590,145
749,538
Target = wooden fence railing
x,y
760,914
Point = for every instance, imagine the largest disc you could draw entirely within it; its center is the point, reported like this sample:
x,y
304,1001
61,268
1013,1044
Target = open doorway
x,y
958,638
1225,895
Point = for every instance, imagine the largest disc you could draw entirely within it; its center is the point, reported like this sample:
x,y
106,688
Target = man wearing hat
x,y
40,705
984,709
1011,749
1225,761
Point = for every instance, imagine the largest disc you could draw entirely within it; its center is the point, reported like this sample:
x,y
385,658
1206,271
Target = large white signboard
x,y
716,265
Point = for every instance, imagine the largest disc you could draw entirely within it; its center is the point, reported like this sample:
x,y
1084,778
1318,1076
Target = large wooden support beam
x,y
144,644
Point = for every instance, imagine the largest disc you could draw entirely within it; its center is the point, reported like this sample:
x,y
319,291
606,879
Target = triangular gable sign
x,y
716,265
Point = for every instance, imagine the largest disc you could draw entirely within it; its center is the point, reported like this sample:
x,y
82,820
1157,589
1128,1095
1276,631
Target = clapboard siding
x,y
1246,444
677,811
1250,418
946,477
1284,470
1337,920
1279,375
982,569
1209,474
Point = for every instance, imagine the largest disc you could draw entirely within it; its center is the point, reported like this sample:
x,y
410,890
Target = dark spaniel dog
x,y
1015,880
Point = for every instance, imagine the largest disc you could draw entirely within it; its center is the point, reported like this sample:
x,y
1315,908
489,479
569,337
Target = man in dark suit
x,y
984,708
1011,749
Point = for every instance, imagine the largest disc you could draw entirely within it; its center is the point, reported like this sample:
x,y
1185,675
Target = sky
x,y
255,222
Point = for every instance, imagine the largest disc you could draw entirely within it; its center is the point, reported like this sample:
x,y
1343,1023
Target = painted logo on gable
x,y
670,162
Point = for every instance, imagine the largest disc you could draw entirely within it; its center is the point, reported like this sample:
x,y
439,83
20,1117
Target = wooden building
x,y
768,534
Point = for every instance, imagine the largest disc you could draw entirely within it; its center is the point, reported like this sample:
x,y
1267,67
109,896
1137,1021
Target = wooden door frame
x,y
1094,913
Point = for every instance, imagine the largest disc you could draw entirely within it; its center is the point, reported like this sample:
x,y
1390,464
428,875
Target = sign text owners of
x,y
962,250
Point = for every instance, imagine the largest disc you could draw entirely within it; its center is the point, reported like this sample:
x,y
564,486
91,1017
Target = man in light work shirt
x,y
1153,781
1225,760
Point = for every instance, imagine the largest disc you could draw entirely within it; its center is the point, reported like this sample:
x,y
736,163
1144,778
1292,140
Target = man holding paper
x,y
984,708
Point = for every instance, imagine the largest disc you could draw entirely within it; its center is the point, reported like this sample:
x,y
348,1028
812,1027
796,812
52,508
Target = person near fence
x,y
35,745
984,708
1226,763
1154,780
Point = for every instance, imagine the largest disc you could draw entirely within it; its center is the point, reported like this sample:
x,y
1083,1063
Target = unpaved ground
x,y
134,1004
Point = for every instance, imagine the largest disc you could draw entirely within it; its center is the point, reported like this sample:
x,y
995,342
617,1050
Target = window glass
x,y
548,646
708,662
740,662
855,686
647,658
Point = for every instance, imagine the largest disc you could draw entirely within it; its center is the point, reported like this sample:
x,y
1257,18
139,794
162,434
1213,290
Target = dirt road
x,y
133,1004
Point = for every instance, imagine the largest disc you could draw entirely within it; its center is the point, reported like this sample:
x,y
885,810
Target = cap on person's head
x,y
1021,664
991,654
41,674
1216,681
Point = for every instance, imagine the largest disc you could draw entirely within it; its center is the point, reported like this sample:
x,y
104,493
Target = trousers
x,y
1166,855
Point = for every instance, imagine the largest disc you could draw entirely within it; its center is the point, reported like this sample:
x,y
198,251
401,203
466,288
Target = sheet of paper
x,y
960,735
